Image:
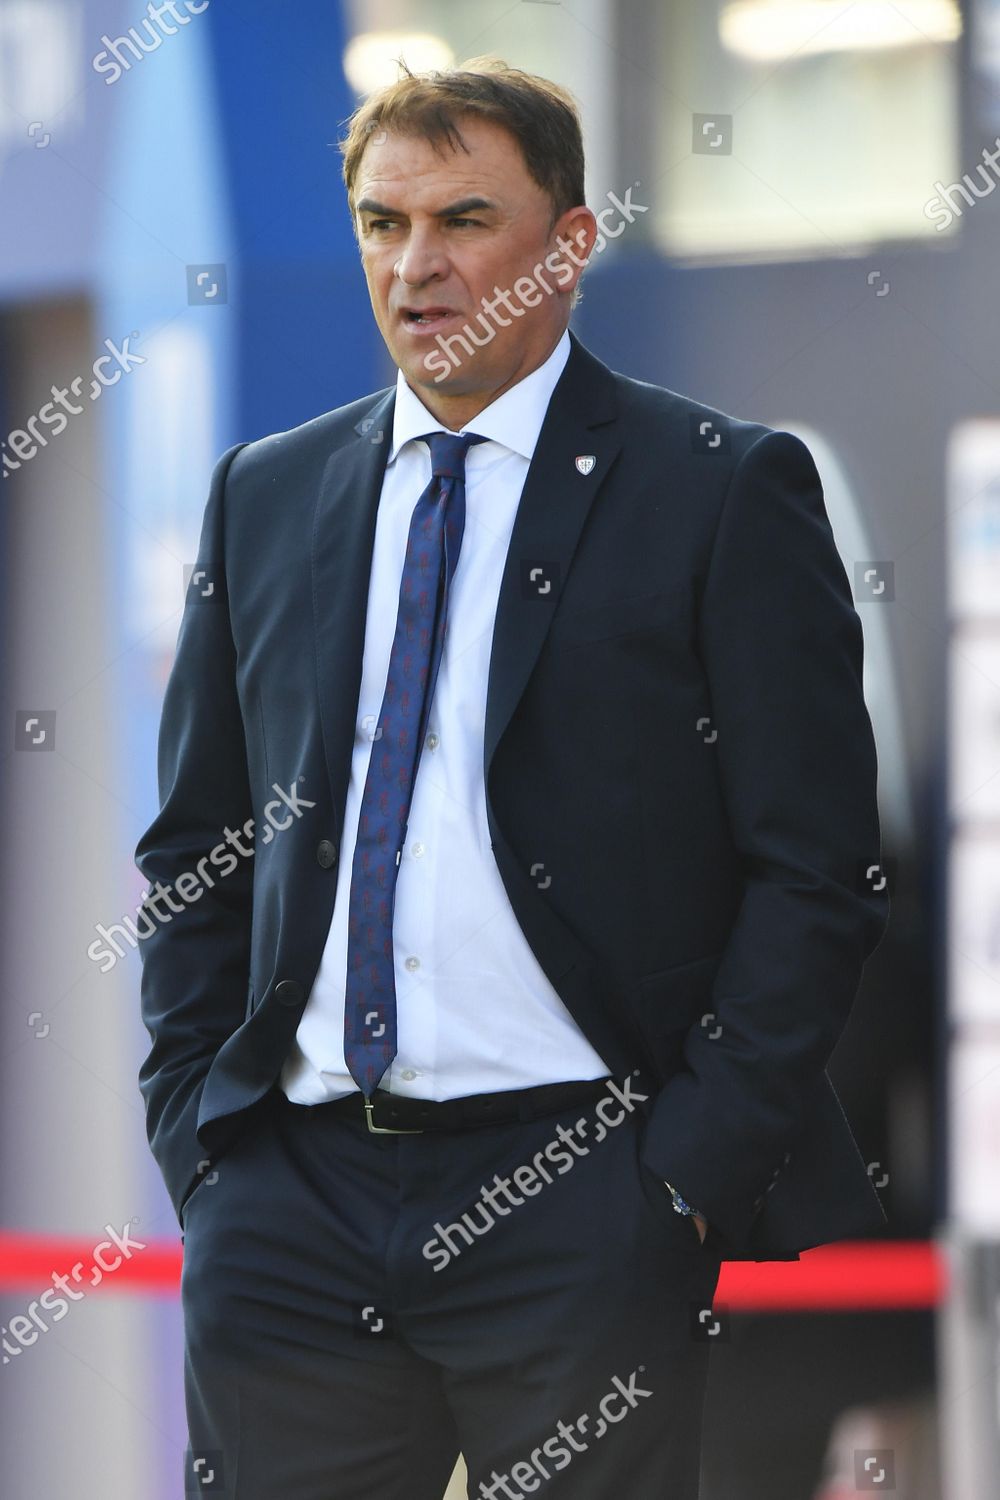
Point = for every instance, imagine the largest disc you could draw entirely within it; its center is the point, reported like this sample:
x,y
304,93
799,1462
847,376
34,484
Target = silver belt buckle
x,y
383,1129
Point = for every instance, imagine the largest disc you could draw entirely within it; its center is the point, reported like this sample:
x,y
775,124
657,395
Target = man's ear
x,y
576,229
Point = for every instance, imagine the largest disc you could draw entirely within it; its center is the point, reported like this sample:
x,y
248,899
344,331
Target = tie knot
x,y
448,450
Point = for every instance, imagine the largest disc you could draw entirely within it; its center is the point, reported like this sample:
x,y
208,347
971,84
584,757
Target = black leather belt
x,y
394,1114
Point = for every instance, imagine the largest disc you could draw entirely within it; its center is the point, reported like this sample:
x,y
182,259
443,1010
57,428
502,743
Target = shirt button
x,y
326,853
412,963
408,1074
418,849
431,741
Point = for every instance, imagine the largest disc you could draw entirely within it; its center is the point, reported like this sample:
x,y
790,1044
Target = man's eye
x,y
380,223
459,220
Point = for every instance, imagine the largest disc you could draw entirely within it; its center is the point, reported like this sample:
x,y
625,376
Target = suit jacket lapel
x,y
343,539
557,496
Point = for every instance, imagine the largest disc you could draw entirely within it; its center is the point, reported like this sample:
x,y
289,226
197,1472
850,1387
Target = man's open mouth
x,y
427,316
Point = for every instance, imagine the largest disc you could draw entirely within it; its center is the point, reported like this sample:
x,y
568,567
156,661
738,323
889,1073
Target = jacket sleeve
x,y
197,912
781,645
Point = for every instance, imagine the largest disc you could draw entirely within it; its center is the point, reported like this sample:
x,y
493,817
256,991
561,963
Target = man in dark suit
x,y
464,1082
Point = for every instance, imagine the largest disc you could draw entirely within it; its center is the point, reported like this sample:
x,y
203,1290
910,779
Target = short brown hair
x,y
542,116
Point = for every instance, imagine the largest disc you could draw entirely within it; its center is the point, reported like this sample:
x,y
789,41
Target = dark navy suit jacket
x,y
675,734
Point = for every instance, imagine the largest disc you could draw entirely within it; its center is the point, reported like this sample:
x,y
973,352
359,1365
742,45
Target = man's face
x,y
441,233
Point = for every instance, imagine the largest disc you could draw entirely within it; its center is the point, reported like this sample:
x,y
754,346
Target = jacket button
x,y
289,992
326,853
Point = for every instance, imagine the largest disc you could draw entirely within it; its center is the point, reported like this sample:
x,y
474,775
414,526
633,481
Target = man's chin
x,y
434,371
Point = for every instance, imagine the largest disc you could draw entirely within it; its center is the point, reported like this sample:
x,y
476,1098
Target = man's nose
x,y
419,262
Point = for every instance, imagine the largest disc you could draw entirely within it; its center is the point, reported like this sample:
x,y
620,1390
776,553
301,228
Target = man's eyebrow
x,y
453,210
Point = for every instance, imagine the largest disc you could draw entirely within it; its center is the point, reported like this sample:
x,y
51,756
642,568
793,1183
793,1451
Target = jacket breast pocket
x,y
578,626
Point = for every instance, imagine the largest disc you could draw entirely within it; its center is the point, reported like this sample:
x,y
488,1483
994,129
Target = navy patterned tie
x,y
432,548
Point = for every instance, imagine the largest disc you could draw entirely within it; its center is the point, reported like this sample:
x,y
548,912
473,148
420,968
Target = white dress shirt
x,y
475,1010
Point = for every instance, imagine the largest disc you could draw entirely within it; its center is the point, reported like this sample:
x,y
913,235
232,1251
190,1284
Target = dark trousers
x,y
359,1308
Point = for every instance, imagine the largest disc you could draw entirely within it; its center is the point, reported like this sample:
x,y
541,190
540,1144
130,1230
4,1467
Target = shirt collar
x,y
513,419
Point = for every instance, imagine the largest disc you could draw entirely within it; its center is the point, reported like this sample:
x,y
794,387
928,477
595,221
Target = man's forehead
x,y
493,153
